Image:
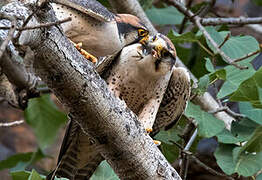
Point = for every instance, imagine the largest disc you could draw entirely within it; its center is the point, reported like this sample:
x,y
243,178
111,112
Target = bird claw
x,y
87,55
149,130
158,143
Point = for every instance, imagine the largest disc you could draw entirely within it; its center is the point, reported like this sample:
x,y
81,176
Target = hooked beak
x,y
144,40
156,51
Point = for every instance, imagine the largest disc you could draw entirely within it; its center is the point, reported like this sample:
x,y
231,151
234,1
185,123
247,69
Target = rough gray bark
x,y
130,152
6,90
206,102
15,71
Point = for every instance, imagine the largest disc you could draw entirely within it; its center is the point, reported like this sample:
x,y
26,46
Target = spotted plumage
x,y
144,76
100,31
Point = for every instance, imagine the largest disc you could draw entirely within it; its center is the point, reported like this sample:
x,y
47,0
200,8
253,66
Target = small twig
x,y
209,169
184,166
229,111
207,8
225,40
205,49
188,5
247,56
24,24
185,160
10,32
197,21
191,140
230,21
219,51
15,123
44,90
40,25
187,137
191,155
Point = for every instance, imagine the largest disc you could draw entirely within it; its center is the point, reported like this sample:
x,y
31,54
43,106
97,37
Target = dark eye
x,y
165,53
142,32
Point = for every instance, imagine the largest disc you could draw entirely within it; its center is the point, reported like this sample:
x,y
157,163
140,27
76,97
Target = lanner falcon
x,y
100,31
144,76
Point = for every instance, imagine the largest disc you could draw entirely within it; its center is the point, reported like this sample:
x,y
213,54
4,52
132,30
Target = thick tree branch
x,y
130,152
15,71
10,32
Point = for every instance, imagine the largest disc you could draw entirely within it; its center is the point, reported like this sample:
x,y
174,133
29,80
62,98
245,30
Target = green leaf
x,y
234,77
20,175
252,113
171,152
224,158
208,125
255,142
259,177
257,2
105,3
104,172
45,119
247,164
243,129
218,74
193,56
182,38
227,137
12,161
165,136
35,176
235,47
250,90
21,160
163,16
209,65
203,83
217,37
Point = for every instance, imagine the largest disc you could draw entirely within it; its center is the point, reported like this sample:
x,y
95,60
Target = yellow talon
x,y
87,55
149,130
157,142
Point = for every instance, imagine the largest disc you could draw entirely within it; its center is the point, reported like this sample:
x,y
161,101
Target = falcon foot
x,y
87,55
157,142
149,130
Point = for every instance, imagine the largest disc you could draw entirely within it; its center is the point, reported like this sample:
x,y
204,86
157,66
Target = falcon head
x,y
157,55
131,29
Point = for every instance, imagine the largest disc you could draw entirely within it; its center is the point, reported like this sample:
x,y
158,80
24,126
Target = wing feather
x,y
174,101
89,7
